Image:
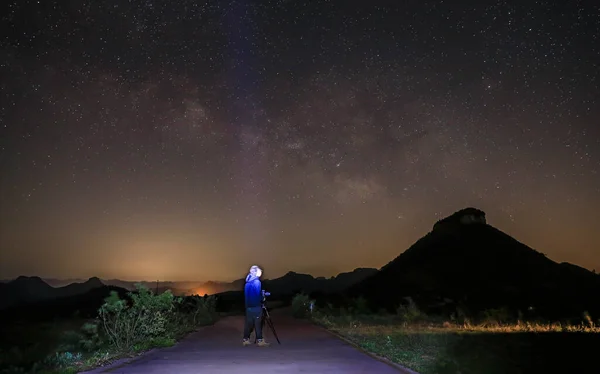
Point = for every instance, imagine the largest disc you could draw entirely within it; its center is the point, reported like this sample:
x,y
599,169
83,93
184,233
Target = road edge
x,y
121,362
385,360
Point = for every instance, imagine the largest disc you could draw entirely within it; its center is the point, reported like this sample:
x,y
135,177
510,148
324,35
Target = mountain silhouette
x,y
293,282
283,289
85,305
27,290
466,261
344,280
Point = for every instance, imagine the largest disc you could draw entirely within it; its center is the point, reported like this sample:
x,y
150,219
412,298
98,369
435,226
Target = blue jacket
x,y
253,291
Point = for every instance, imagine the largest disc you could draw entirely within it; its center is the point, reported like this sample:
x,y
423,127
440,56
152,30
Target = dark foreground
x,y
450,352
304,348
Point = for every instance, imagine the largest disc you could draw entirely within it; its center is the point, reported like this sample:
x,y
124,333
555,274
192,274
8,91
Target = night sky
x,y
190,139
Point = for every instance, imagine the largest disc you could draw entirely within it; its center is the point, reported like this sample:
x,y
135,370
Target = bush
x,y
139,322
409,313
62,360
87,339
192,312
146,318
359,306
496,317
90,337
201,310
301,305
149,320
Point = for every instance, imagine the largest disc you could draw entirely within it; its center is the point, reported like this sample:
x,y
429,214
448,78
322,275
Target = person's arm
x,y
258,289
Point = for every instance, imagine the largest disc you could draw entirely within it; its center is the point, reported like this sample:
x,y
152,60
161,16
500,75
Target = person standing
x,y
253,303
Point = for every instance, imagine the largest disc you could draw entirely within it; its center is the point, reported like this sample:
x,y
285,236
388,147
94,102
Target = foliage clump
x,y
147,317
138,322
301,305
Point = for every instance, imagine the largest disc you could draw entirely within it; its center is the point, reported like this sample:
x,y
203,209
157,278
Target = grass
x,y
24,344
122,329
446,348
33,347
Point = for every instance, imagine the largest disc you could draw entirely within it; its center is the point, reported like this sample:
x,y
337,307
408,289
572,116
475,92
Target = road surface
x,y
216,349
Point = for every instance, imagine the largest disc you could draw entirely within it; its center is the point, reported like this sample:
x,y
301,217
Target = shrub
x,y
90,337
496,317
62,360
203,310
588,319
359,306
301,305
69,341
191,312
13,370
150,320
87,339
145,318
139,322
409,313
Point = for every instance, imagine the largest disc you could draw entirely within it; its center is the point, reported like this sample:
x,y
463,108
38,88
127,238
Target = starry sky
x,y
187,140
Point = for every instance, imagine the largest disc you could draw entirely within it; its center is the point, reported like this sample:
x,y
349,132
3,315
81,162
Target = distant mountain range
x,y
466,262
27,290
184,287
462,262
304,281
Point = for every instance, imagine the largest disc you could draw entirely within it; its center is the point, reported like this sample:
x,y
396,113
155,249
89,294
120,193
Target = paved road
x,y
217,349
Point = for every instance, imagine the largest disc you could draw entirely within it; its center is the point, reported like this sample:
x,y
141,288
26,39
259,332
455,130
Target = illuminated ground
x,y
217,349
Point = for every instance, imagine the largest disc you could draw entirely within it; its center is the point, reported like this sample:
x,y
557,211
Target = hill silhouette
x,y
181,288
85,305
464,261
293,282
32,290
27,290
284,285
283,289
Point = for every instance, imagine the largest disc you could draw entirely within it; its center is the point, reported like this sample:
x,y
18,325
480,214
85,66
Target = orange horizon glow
x,y
200,292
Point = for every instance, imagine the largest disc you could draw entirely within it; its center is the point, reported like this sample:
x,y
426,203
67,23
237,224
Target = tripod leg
x,y
267,317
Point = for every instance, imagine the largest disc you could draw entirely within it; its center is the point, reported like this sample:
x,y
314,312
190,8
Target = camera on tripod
x,y
264,295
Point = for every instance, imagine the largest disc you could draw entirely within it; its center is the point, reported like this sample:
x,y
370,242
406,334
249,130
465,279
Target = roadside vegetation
x,y
495,342
123,327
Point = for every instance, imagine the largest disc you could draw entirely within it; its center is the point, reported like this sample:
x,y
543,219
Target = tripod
x,y
267,317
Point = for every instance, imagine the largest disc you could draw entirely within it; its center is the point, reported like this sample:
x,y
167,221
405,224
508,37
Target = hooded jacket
x,y
253,291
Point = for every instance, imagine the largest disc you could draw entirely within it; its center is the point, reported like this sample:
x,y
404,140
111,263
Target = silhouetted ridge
x,y
463,217
85,305
27,290
29,281
23,290
467,261
345,280
95,282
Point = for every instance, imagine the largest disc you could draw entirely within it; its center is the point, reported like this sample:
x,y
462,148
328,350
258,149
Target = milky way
x,y
190,139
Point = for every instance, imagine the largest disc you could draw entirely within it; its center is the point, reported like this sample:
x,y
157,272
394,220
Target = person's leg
x,y
251,314
248,327
259,323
